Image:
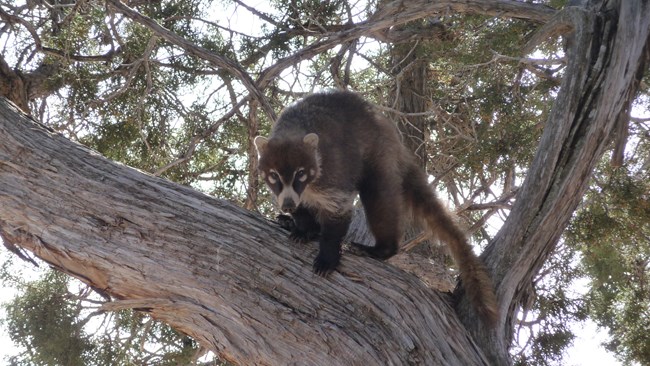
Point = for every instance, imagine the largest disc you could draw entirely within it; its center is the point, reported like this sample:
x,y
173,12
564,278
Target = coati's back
x,y
350,132
339,115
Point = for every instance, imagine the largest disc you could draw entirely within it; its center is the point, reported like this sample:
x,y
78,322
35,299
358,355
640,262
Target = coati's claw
x,y
324,264
299,236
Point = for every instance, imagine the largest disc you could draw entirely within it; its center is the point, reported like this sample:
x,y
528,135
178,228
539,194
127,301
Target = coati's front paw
x,y
297,234
324,263
286,222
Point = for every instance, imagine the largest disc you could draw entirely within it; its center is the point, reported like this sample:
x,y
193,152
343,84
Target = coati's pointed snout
x,y
288,206
288,200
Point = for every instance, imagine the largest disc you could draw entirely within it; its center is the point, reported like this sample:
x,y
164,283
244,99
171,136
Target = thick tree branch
x,y
221,274
402,11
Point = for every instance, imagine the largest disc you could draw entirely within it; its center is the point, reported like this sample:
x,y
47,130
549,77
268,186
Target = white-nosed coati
x,y
329,146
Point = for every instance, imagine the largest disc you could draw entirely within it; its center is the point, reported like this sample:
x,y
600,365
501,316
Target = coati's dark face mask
x,y
288,166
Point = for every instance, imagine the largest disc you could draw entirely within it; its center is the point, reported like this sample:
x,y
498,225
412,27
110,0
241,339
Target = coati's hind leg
x,y
382,201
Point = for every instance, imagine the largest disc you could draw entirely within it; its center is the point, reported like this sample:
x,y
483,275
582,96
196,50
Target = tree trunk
x,y
221,274
608,58
408,96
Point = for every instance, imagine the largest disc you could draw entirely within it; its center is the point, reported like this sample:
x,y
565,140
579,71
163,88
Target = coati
x,y
328,147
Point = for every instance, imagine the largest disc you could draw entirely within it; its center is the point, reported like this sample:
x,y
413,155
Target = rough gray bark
x,y
409,96
217,272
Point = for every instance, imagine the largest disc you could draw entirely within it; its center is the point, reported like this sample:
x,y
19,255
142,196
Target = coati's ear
x,y
260,144
311,140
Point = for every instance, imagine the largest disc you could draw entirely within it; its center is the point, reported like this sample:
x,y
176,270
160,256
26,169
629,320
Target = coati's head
x,y
288,166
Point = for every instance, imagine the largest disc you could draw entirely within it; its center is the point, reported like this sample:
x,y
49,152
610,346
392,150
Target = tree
x,y
181,256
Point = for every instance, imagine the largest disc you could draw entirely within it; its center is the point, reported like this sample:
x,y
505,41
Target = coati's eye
x,y
301,175
273,177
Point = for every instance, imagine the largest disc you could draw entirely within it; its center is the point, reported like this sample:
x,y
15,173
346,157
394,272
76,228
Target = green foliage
x,y
557,306
57,326
44,320
498,105
612,231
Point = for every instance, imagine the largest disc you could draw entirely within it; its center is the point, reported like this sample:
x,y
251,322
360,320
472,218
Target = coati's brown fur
x,y
329,146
